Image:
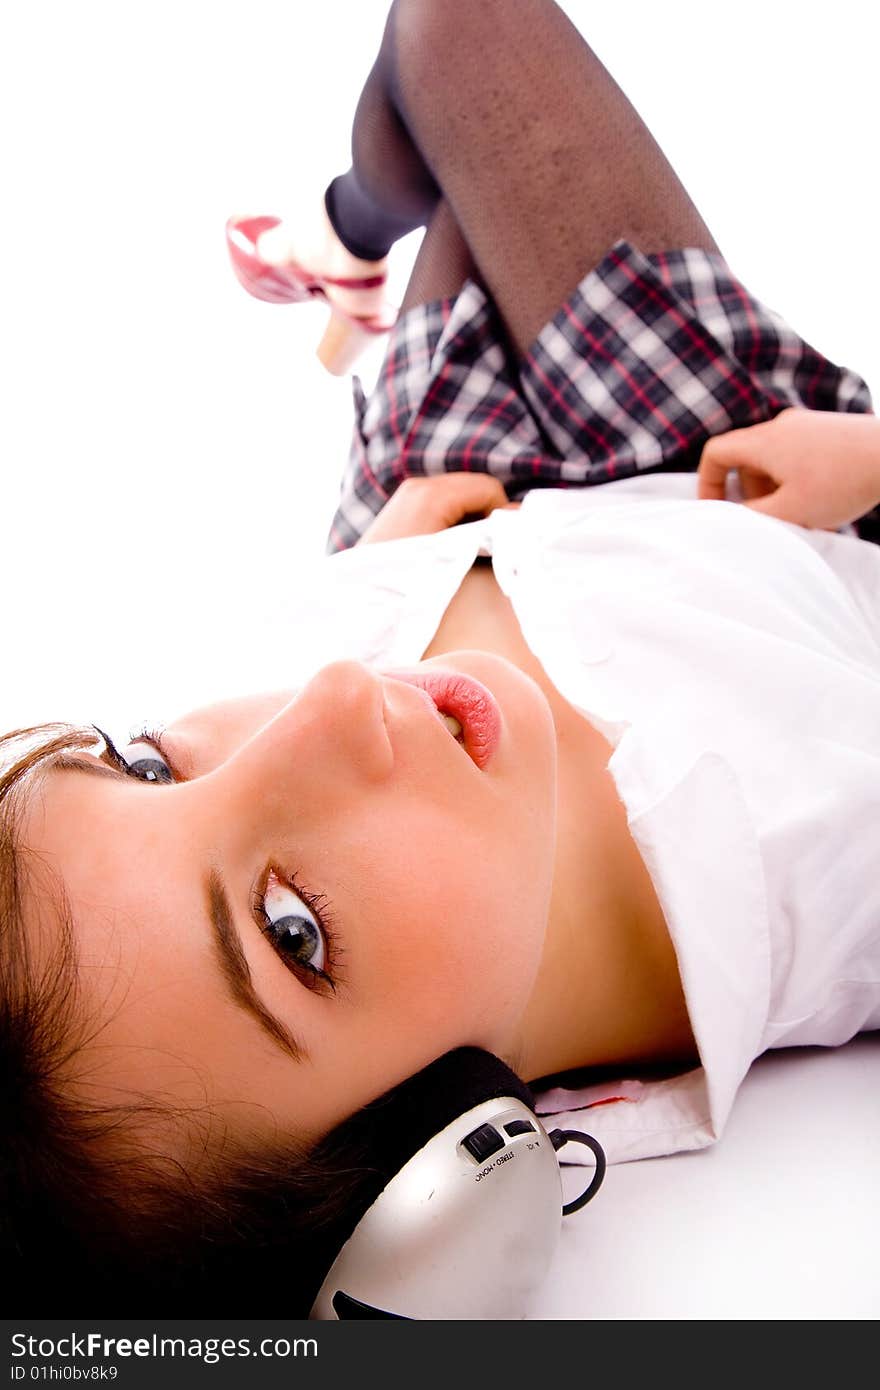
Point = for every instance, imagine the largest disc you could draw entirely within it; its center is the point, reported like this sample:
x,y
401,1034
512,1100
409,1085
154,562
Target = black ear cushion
x,y
401,1121
384,1135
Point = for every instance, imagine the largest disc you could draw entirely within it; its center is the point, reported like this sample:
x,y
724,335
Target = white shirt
x,y
733,662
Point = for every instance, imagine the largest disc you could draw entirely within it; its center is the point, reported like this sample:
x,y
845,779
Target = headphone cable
x,y
558,1137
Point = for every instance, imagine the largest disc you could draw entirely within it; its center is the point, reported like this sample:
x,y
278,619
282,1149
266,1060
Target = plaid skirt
x,y
649,357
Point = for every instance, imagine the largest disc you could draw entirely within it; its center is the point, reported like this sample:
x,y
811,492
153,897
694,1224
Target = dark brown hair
x,y
93,1219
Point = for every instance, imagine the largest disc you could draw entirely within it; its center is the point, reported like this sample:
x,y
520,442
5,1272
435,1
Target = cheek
x,y
453,941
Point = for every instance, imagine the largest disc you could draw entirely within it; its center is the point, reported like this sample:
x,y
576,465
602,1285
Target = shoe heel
x,y
342,343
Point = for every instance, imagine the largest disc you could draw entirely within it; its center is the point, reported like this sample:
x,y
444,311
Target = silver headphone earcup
x,y
462,1231
458,1206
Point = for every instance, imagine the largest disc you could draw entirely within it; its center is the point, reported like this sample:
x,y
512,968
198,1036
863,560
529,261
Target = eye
x,y
292,927
144,761
143,758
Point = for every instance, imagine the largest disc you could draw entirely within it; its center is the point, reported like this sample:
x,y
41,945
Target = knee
x,y
431,29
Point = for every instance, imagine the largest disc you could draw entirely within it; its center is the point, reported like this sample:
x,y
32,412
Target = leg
x,y
503,110
443,262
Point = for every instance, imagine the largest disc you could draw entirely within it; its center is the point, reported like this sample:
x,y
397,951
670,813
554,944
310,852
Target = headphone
x,y
461,1208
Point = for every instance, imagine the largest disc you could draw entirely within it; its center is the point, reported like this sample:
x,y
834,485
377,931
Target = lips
x,y
467,700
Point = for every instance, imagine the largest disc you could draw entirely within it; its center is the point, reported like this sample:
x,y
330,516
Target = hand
x,y
816,468
421,506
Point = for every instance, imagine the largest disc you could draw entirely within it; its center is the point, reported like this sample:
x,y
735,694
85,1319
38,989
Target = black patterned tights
x,y
494,125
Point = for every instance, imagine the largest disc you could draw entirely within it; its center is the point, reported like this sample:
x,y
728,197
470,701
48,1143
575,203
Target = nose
x,y
343,708
334,728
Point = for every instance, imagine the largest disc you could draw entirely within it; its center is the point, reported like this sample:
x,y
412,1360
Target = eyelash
x,y
318,904
153,737
320,907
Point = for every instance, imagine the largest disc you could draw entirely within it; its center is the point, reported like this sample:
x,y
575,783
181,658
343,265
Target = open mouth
x,y
453,725
469,711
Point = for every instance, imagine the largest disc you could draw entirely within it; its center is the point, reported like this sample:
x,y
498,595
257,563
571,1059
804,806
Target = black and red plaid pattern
x,y
649,357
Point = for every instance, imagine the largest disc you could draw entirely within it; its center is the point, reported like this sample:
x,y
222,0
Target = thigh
x,y
542,158
444,261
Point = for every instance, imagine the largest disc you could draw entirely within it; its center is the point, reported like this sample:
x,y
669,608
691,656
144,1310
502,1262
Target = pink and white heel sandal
x,y
347,334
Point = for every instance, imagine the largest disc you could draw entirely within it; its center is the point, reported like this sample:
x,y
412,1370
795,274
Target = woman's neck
x,y
608,991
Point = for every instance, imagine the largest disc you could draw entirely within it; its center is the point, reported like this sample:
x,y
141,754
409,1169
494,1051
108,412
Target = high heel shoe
x,y
347,333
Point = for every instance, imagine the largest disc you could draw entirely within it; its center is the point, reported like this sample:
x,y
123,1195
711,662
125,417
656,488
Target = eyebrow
x,y
228,950
236,972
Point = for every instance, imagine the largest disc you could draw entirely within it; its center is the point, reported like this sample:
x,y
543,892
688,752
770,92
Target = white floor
x,y
780,1220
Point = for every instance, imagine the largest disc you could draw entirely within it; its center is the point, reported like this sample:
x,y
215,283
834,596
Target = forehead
x,y
45,818
145,958
37,917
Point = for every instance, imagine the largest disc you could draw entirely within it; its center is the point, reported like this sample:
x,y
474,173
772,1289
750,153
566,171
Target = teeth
x,y
452,724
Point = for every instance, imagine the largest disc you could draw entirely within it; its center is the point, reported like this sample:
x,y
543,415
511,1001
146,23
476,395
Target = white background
x,y
171,448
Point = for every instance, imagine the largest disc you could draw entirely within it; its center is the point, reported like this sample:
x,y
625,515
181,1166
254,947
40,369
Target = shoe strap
x,y
366,282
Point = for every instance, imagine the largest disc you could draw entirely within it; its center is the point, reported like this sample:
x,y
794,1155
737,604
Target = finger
x,y
754,485
721,453
483,487
778,504
715,463
478,493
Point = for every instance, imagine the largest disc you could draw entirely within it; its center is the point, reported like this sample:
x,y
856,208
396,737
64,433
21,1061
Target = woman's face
x,y
431,874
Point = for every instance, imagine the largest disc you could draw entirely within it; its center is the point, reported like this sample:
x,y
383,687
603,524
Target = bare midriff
x,y
604,912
